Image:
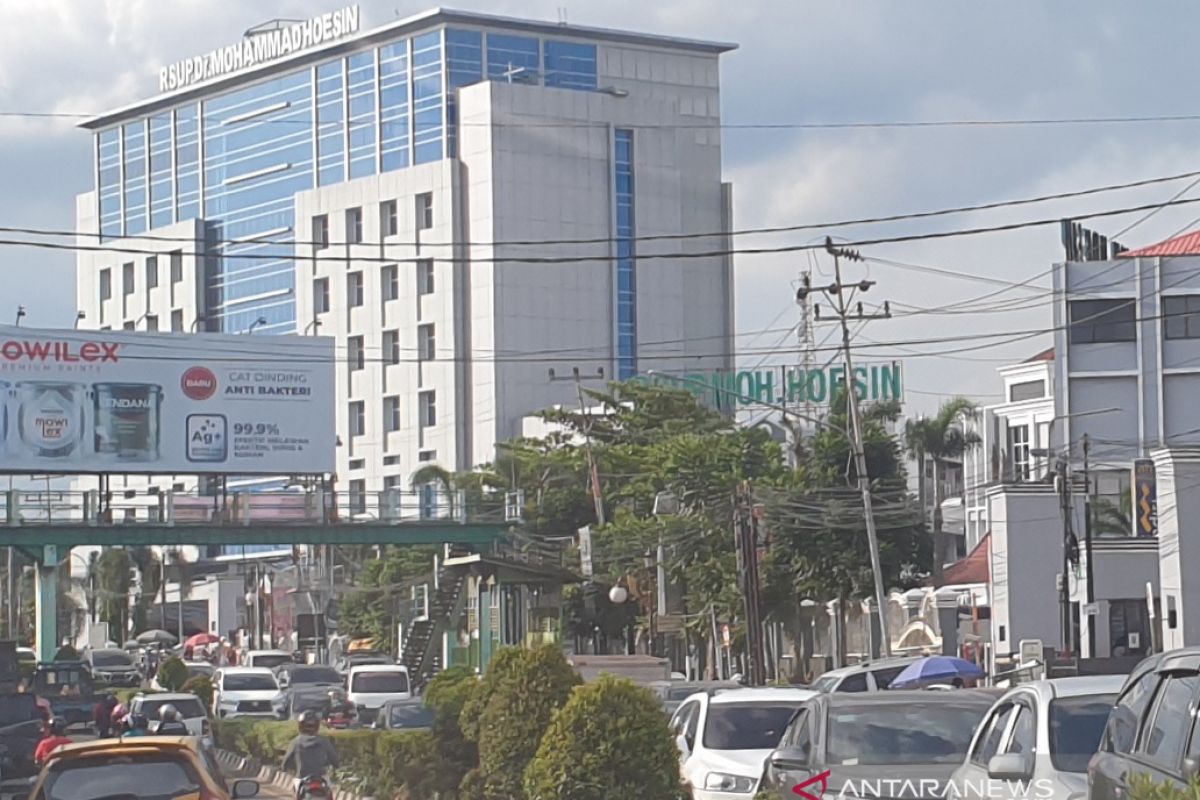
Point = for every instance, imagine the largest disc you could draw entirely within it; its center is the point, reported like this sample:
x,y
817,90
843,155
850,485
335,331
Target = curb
x,y
270,775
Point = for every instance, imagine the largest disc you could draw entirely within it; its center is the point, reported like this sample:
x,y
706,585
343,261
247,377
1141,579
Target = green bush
x,y
517,713
172,674
1143,787
447,694
503,664
202,687
611,739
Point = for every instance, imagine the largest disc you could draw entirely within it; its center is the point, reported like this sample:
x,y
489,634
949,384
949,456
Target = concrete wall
x,y
1178,473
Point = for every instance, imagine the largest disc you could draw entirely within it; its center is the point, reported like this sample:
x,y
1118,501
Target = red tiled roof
x,y
1186,245
1045,355
975,568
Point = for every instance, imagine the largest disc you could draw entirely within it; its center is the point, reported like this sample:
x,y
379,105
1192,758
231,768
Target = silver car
x,y
1037,739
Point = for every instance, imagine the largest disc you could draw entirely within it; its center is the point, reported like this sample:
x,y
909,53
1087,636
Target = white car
x,y
244,692
371,686
1040,736
725,735
267,658
866,676
191,711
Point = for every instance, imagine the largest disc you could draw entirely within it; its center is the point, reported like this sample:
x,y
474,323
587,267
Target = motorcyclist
x,y
338,706
310,754
137,725
56,737
116,722
102,715
170,723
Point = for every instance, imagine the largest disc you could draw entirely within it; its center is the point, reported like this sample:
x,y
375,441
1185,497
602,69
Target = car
x,y
724,735
307,675
1042,733
27,661
404,715
295,700
191,710
69,687
876,744
114,667
21,728
199,669
362,658
371,686
673,693
267,658
1153,728
866,676
149,767
244,692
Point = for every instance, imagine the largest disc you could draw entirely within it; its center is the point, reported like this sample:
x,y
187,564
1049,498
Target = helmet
x,y
310,722
58,726
119,711
168,713
138,722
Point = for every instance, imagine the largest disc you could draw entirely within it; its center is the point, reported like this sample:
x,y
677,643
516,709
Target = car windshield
x,y
315,675
380,683
1076,725
414,716
111,658
931,733
200,670
150,777
746,726
249,683
56,682
825,684
18,708
188,708
270,660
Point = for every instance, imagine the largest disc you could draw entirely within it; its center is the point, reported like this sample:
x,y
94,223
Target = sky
x,y
798,62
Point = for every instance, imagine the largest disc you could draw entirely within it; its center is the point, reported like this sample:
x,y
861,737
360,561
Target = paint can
x,y
51,418
127,421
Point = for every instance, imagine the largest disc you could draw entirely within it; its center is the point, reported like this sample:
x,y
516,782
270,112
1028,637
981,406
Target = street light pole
x,y
1090,588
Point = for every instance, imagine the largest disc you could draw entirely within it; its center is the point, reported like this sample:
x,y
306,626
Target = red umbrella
x,y
200,640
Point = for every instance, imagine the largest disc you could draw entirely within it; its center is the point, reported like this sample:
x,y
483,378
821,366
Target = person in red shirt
x,y
55,738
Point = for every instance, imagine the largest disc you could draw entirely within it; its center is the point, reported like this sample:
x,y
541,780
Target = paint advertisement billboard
x,y
125,402
1145,497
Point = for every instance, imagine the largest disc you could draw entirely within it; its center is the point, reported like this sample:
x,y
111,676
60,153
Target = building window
x,y
127,279
424,211
427,455
626,259
570,65
354,289
391,461
320,231
391,414
105,284
151,322
177,267
513,59
358,418
426,344
320,295
429,501
152,272
128,326
1026,390
392,483
357,354
391,347
358,496
1094,321
1018,451
177,321
354,226
1181,316
388,218
425,276
428,406
389,279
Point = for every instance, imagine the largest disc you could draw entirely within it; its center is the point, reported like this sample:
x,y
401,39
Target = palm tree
x,y
437,476
941,438
1111,519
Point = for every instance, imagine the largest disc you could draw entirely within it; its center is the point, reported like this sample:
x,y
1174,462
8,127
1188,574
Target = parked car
x,y
149,766
244,692
114,667
1153,728
673,693
21,727
199,669
307,675
267,658
361,658
723,737
866,676
899,744
1042,732
191,710
405,715
373,685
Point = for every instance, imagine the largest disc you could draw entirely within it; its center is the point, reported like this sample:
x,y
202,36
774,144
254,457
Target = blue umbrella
x,y
936,669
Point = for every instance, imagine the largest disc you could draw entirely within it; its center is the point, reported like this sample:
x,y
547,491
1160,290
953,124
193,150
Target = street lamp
x,y
618,595
312,326
20,315
79,317
258,323
196,322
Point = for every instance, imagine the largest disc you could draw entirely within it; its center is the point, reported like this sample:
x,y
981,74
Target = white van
x,y
267,658
371,686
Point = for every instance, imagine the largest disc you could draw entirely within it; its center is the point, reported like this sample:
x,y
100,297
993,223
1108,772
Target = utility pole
x,y
1090,587
806,341
746,539
837,289
593,471
1063,482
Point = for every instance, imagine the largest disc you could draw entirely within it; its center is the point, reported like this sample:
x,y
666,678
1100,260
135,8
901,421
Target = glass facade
x,y
236,159
626,259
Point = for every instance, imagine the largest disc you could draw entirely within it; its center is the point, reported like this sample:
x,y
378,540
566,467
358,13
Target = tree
x,y
172,674
372,608
447,694
941,438
114,580
150,569
611,739
1112,519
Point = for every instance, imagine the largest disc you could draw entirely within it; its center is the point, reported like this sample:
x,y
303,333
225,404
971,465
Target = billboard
x,y
131,403
1145,498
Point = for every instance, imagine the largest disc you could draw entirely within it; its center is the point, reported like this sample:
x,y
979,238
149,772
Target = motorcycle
x,y
341,717
314,787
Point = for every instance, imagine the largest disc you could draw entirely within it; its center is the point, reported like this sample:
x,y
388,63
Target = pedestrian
x,y
102,715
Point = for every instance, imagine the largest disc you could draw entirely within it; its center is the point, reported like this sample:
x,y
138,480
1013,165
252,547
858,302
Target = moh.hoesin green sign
x,y
785,385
